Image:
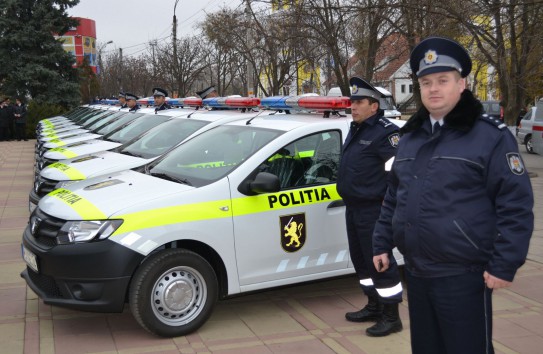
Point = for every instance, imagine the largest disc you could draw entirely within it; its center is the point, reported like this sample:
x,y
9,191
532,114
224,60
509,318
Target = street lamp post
x,y
99,69
100,48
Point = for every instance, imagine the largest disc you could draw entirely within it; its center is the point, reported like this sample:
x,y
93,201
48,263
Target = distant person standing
x,y
132,102
208,92
159,96
19,112
10,119
122,100
4,120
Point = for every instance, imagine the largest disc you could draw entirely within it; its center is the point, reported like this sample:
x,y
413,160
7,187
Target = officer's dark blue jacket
x,y
162,107
459,200
362,175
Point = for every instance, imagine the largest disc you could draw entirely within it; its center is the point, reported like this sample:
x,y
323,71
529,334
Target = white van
x,y
537,129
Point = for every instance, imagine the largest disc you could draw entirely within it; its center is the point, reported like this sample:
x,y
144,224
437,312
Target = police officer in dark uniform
x,y
362,177
160,99
132,102
459,207
122,99
208,92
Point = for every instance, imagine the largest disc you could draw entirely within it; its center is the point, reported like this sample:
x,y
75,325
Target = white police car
x,y
111,141
63,125
140,150
247,205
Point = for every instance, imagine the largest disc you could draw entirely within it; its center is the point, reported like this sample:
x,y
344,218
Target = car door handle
x,y
336,204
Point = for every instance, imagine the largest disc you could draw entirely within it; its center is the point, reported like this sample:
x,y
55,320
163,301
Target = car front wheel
x,y
528,144
173,292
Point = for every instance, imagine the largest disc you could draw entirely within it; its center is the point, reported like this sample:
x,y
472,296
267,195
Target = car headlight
x,y
63,184
86,230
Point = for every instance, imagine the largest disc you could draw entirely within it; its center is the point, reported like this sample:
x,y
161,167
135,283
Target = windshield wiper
x,y
171,178
130,153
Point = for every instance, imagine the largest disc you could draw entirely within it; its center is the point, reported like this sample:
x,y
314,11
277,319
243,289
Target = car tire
x,y
528,144
173,292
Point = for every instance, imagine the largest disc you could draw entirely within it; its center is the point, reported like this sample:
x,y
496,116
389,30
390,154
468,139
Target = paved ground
x,y
300,319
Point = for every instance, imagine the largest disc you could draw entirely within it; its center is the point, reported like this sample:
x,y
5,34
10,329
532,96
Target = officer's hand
x,y
381,262
494,283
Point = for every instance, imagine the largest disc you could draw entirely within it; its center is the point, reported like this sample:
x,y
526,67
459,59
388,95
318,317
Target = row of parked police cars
x,y
170,211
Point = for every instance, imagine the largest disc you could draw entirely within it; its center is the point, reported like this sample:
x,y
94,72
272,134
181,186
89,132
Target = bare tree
x,y
270,51
508,34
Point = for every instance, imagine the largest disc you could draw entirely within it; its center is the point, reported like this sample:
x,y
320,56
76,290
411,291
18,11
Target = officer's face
x,y
159,100
363,109
130,103
440,92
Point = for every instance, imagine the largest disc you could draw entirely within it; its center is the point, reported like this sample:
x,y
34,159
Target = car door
x,y
299,232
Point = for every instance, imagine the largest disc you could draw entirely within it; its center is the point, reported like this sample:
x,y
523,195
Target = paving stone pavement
x,y
298,319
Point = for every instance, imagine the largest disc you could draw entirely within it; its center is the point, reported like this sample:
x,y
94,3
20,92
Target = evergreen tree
x,y
32,62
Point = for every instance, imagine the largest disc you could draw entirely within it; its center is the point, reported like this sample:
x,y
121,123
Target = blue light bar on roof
x,y
319,103
215,102
232,102
175,102
109,101
275,102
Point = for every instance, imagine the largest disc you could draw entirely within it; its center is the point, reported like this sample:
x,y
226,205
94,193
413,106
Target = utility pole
x,y
250,69
174,39
121,69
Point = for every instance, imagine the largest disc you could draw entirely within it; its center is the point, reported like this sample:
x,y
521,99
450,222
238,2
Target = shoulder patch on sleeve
x,y
493,121
515,163
394,139
385,122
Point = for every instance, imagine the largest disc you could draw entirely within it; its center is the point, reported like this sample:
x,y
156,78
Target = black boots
x,y
388,323
371,312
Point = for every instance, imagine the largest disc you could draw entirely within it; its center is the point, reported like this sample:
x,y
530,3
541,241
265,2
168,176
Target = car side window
x,y
311,160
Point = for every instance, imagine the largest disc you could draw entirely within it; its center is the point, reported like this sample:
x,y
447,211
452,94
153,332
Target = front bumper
x,y
88,276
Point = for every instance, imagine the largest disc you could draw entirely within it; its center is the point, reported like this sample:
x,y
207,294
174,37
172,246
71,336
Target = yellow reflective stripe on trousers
x,y
240,206
81,206
70,172
65,152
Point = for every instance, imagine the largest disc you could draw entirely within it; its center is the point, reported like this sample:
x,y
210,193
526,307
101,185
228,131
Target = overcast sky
x,y
132,24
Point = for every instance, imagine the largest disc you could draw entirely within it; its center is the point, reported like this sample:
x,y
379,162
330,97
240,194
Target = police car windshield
x,y
160,139
212,155
138,126
117,122
105,121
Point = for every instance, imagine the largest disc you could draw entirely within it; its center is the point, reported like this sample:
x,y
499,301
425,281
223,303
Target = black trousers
x,y
20,130
450,315
360,224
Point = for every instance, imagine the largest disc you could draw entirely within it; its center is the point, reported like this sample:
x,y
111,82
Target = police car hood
x,y
61,129
92,165
101,197
73,131
79,149
72,138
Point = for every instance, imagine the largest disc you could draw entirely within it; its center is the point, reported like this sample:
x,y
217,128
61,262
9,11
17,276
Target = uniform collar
x,y
370,121
462,117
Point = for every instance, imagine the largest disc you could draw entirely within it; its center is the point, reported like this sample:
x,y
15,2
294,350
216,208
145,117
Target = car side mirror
x,y
264,182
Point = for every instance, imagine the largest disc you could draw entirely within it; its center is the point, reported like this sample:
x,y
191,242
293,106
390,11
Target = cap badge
x,y
430,57
355,88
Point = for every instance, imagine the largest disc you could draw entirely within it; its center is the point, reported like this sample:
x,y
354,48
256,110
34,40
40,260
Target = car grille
x,y
44,283
44,186
45,233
